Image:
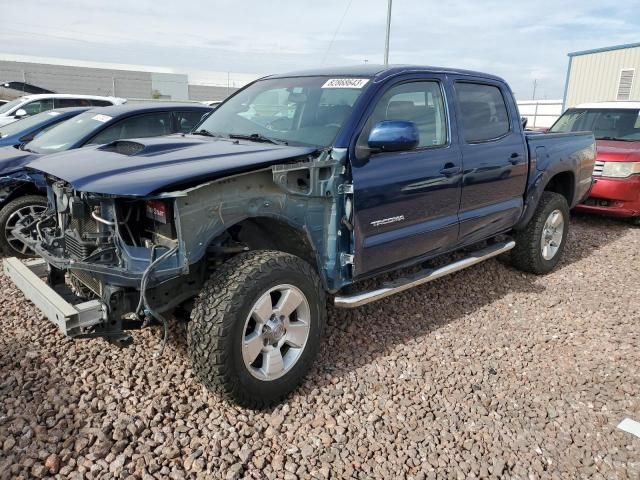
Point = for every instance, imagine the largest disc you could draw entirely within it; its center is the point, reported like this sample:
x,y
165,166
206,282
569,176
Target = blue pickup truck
x,y
297,187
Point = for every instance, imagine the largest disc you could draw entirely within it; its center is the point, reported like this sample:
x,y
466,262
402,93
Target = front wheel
x,y
540,245
256,327
17,209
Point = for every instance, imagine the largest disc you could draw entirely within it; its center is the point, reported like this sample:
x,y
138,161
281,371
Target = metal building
x,y
128,81
603,75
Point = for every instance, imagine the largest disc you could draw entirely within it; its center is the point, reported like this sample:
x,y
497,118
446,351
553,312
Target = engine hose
x,y
143,293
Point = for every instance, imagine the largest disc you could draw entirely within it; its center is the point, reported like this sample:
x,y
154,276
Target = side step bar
x,y
422,277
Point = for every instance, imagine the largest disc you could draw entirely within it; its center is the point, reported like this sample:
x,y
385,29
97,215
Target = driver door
x,y
406,203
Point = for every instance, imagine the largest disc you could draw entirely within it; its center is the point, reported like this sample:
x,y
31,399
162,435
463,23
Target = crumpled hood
x,y
12,159
615,151
142,167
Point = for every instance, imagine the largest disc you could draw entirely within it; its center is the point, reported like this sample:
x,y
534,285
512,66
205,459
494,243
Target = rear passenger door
x,y
494,159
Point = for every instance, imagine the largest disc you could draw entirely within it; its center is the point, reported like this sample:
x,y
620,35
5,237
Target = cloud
x,y
520,41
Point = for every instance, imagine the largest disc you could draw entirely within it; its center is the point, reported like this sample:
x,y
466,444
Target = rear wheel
x,y
540,245
11,213
255,328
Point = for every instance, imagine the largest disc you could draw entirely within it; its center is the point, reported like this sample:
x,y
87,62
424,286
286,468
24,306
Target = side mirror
x,y
21,112
393,136
524,121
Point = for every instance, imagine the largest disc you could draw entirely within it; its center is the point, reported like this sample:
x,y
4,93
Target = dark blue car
x,y
23,131
23,193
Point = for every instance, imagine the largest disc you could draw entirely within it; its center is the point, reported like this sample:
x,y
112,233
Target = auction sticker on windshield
x,y
101,118
345,83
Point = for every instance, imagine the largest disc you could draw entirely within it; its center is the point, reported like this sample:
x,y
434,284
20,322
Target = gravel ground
x,y
487,373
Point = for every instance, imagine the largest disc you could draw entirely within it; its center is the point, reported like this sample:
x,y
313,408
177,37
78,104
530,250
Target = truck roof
x,y
609,105
379,72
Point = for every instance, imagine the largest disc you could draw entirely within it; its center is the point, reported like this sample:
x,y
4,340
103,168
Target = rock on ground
x,y
489,373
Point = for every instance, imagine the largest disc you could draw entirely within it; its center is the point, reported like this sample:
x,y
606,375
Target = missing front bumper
x,y
71,320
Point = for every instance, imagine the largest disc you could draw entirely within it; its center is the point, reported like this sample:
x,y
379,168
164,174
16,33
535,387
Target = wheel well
x,y
562,183
27,188
271,234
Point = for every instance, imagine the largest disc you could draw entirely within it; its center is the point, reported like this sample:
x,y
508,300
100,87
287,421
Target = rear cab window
x,y
483,112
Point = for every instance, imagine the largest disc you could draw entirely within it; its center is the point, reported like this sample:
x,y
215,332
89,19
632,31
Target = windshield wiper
x,y
23,147
207,133
257,137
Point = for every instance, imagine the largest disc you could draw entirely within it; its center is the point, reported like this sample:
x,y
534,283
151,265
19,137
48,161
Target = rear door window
x,y
139,126
483,112
38,106
187,121
72,102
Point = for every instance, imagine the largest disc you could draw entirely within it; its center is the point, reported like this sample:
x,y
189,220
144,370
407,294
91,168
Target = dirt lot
x,y
488,373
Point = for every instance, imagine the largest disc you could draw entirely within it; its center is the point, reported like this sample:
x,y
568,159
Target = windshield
x,y
296,110
606,124
27,123
8,106
62,137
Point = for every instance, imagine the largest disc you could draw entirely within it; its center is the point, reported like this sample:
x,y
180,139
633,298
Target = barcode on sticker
x,y
101,118
345,83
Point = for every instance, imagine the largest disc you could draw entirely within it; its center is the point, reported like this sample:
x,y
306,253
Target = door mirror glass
x,y
21,112
524,121
394,136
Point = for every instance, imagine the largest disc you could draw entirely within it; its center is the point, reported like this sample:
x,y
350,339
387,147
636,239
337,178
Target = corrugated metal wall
x,y
102,81
206,92
80,80
594,77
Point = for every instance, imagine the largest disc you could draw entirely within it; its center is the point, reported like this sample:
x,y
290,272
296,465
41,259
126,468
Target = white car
x,y
31,104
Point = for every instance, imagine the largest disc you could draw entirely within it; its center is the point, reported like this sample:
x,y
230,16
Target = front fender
x,y
20,183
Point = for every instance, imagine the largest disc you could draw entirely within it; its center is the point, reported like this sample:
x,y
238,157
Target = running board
x,y
422,277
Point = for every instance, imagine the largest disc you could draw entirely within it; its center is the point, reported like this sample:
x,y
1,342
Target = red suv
x,y
616,126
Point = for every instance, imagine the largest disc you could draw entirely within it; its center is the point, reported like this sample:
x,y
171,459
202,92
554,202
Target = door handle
x,y
514,158
449,170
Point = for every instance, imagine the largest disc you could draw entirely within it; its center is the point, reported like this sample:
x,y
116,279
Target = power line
x,y
336,32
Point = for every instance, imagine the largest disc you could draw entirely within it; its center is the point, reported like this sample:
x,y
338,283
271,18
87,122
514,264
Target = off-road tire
x,y
527,254
5,213
216,328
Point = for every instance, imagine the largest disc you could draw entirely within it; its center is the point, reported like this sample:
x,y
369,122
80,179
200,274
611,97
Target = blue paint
x,y
14,160
394,136
25,130
409,205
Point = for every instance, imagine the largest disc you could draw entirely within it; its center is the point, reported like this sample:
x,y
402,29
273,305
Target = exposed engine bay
x,y
142,257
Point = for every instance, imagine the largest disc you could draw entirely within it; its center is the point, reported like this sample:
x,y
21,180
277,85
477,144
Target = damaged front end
x,y
122,252
129,259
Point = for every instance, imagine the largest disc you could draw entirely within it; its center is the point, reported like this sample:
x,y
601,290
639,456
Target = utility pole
x,y
535,84
386,39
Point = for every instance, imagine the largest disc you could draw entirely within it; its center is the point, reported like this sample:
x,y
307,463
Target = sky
x,y
521,41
